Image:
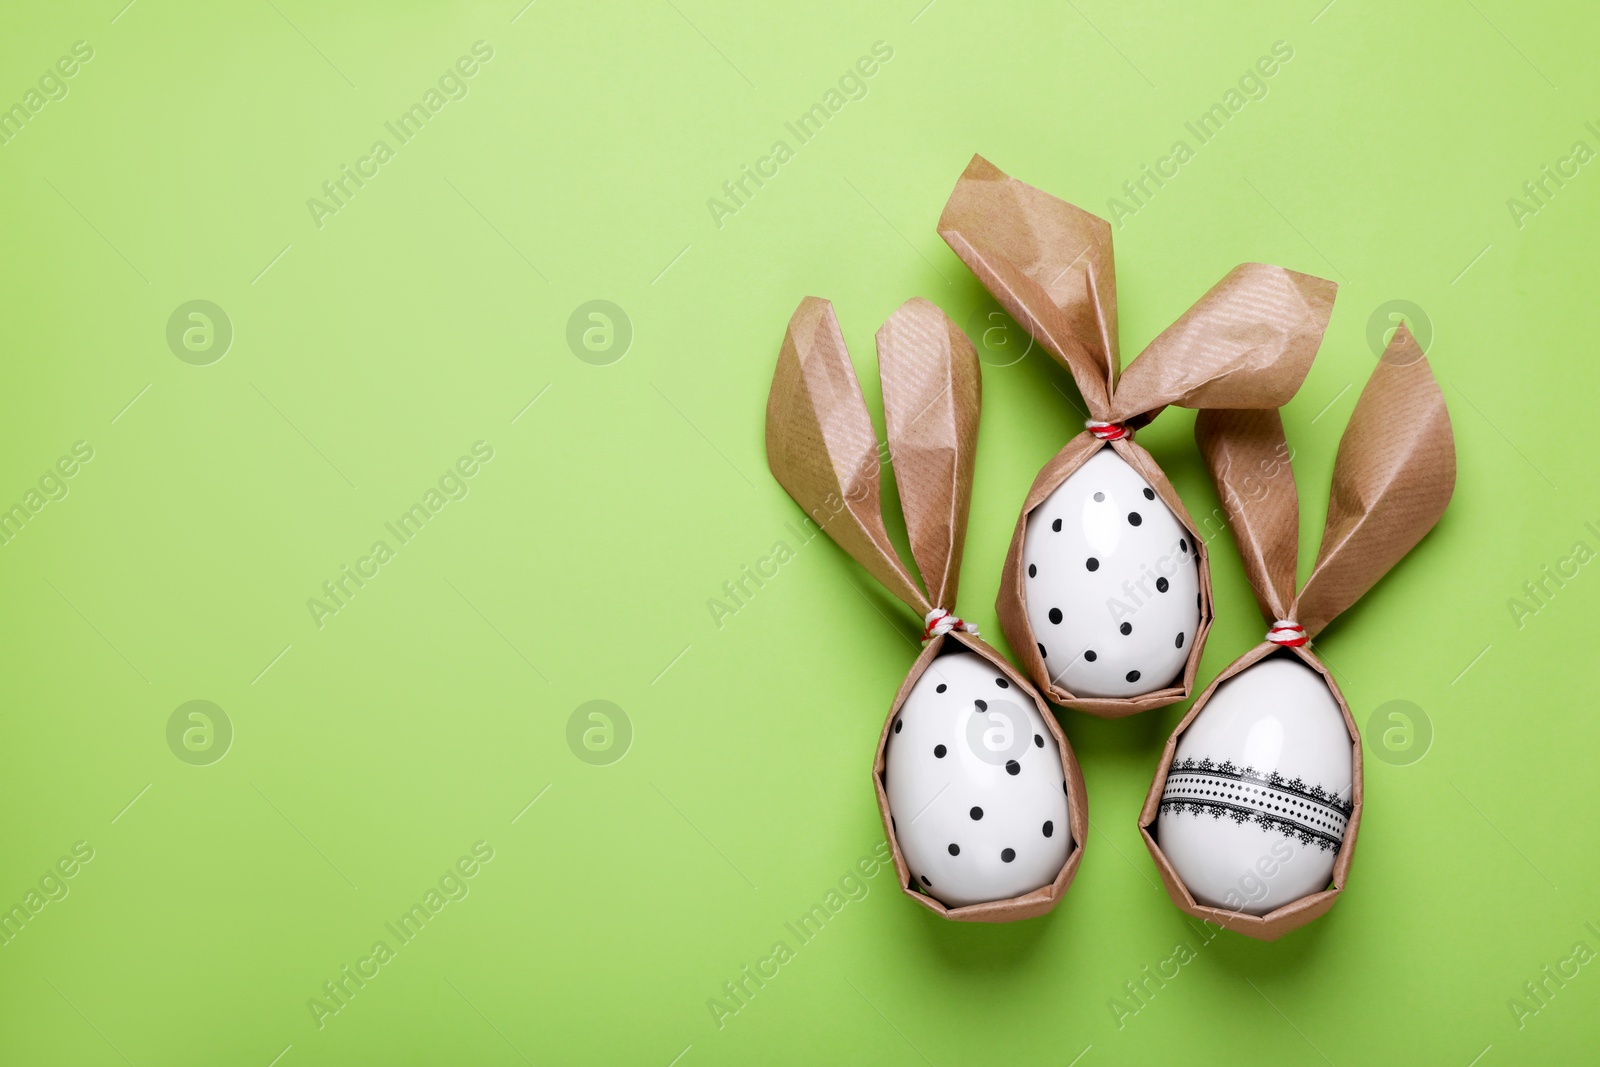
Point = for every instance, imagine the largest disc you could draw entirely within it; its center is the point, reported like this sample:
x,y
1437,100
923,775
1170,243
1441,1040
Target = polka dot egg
x,y
1111,584
975,785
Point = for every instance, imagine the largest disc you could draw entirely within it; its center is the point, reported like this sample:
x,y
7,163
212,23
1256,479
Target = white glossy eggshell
x,y
1275,715
984,729
1111,583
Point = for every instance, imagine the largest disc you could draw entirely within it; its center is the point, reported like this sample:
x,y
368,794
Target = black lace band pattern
x,y
1310,813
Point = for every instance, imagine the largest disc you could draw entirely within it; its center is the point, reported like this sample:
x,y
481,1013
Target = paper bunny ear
x,y
1247,343
931,397
1249,463
1049,265
823,449
1392,478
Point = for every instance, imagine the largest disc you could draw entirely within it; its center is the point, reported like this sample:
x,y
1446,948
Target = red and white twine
x,y
1108,431
1288,633
939,622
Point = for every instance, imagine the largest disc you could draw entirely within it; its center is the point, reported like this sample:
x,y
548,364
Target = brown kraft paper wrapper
x,y
822,448
1393,476
1247,343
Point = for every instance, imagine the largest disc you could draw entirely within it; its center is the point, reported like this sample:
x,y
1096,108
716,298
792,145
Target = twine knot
x,y
1288,633
939,622
1108,431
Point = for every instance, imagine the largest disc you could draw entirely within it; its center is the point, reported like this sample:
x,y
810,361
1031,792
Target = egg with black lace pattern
x,y
1258,796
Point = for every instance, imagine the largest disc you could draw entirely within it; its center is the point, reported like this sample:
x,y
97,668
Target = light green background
x,y
369,754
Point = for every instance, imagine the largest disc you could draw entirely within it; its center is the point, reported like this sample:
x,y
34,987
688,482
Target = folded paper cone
x,y
990,833
1276,770
1112,616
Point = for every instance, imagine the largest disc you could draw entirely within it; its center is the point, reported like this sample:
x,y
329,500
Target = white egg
x,y
1112,586
975,785
1258,797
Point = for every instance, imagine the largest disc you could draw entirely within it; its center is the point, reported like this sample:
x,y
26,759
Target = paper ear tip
x,y
918,307
1326,288
811,312
1404,350
920,322
978,167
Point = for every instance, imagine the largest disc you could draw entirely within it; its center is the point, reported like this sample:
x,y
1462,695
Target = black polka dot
x,y
1090,655
1133,676
1008,854
892,824
1002,683
941,688
1098,497
1056,526
1055,616
955,850
981,705
1183,544
1134,518
1049,828
926,882
1126,628
897,725
1033,572
1149,494
1042,653
1092,563
1197,600
1161,585
1013,767
939,751
976,813
1038,742
1179,642
1064,786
